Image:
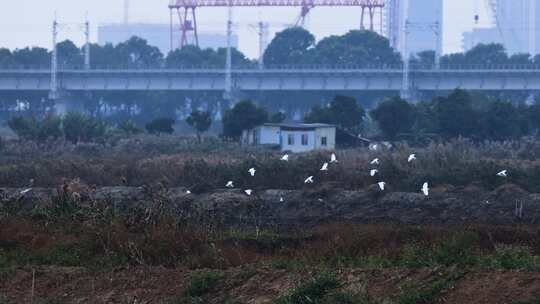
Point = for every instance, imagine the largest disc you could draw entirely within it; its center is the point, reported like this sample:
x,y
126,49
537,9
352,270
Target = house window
x,y
304,139
323,141
290,139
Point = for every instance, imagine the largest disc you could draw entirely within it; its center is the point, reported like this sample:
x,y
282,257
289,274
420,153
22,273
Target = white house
x,y
294,137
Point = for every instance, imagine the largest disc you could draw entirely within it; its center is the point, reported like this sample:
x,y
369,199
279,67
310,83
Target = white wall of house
x,y
325,135
268,135
292,141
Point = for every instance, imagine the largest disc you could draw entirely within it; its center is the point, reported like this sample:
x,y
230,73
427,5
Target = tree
x,y
343,111
69,55
81,128
277,117
455,115
136,53
129,128
33,129
32,58
291,46
395,116
200,121
160,126
244,115
501,121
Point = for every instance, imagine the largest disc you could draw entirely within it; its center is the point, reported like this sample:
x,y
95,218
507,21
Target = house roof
x,y
299,126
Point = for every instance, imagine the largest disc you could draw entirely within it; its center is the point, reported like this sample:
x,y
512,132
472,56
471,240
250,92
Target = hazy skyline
x,y
28,22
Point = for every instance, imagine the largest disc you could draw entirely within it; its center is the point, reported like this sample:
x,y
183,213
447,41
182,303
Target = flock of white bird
x,y
333,159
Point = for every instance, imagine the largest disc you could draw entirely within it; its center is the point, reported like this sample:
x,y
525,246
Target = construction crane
x,y
185,12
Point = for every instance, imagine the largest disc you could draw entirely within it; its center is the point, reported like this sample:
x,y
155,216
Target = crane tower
x,y
185,12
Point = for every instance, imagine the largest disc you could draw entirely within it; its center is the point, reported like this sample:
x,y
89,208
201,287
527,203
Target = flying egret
x,y
333,158
503,173
381,185
252,171
373,147
309,180
324,167
281,200
188,192
230,184
285,157
248,192
375,161
26,191
373,172
411,158
425,189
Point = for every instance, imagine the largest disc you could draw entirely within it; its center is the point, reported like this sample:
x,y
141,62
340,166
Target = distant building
x,y
518,23
158,35
294,137
424,20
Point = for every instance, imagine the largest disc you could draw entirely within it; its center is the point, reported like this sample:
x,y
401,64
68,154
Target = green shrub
x,y
160,126
312,291
202,282
79,127
512,257
128,127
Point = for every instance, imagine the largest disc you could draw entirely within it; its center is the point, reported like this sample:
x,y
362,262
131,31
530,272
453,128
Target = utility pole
x,y
228,63
532,27
263,38
405,86
439,35
87,45
53,94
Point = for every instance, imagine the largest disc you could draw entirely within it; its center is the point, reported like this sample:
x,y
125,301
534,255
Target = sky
x,y
28,22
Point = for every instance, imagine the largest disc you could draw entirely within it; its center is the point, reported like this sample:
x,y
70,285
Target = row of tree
x,y
292,46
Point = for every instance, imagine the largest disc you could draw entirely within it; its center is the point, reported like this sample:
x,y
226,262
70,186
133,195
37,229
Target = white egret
x,y
324,167
375,161
333,158
248,192
26,191
373,172
285,157
425,189
309,180
381,185
503,173
230,184
411,158
252,171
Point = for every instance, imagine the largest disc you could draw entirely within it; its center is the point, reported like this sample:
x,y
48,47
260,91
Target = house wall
x,y
297,146
269,135
330,134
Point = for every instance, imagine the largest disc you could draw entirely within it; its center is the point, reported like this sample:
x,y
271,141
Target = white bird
x,y
281,200
333,158
248,192
285,157
373,172
373,147
425,189
252,171
230,184
375,161
188,192
381,185
25,191
309,180
503,173
411,158
324,167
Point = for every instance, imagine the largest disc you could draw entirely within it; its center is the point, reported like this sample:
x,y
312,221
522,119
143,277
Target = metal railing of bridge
x,y
287,67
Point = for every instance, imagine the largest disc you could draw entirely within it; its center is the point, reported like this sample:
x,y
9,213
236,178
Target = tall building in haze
x,y
423,25
515,25
158,35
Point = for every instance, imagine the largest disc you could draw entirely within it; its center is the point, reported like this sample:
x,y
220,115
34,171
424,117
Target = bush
x,y
203,282
79,127
40,130
511,258
129,128
160,126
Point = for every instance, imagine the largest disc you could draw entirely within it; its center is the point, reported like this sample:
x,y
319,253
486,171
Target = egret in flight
x,y
230,184
252,171
381,185
324,167
309,180
411,158
425,189
373,172
503,173
375,161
